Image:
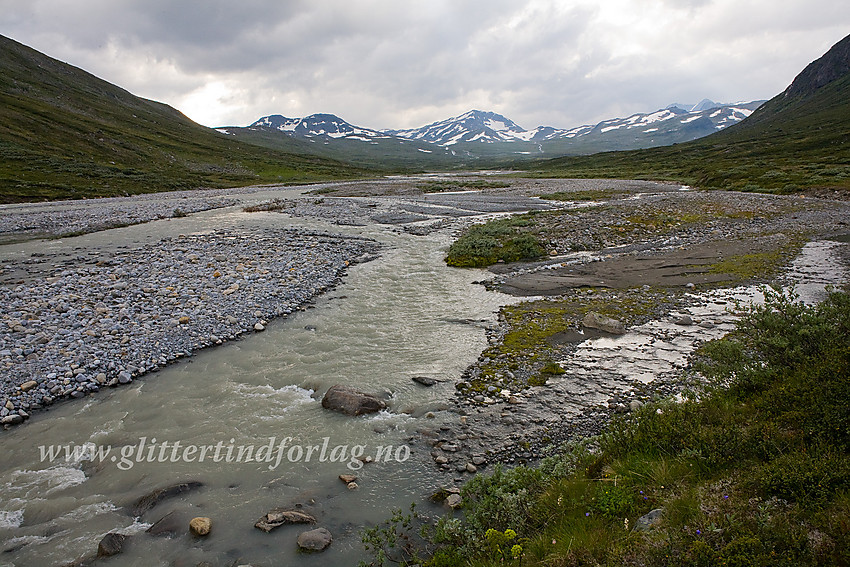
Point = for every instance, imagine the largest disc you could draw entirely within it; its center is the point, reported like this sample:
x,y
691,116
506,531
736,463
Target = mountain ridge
x,y
477,126
798,139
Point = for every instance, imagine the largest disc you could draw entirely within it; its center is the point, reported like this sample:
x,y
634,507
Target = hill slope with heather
x,y
64,133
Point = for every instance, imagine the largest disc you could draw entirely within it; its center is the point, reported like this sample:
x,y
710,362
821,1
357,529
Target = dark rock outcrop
x,y
350,401
278,517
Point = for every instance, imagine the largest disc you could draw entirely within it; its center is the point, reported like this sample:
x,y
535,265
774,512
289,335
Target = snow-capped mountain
x,y
674,117
489,127
317,125
473,126
479,135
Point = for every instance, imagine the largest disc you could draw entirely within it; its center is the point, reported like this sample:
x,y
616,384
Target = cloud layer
x,y
393,64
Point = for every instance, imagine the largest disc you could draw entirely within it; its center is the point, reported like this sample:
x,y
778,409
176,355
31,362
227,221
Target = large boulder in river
x,y
111,544
602,323
350,401
315,540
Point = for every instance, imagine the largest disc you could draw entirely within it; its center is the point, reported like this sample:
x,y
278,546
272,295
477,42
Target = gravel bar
x,y
103,323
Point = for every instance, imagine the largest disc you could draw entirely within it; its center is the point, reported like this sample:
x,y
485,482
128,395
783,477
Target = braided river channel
x,y
401,315
242,423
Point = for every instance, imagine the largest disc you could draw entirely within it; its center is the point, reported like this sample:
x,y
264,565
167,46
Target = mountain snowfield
x,y
489,127
318,125
478,126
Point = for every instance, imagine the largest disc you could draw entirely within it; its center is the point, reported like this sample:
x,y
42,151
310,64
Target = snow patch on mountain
x,y
480,127
317,125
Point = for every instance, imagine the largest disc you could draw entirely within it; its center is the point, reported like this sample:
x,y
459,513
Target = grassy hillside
x,y
799,139
67,134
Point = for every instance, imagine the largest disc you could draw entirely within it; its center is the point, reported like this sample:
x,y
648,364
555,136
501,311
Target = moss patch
x,y
525,353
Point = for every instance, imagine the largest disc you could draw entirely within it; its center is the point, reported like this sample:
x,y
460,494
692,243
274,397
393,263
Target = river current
x,y
402,315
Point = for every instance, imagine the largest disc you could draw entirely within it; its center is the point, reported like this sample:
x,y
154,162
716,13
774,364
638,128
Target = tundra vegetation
x,y
752,468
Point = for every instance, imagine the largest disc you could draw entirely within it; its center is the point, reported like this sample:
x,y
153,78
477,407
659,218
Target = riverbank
x,y
669,268
749,468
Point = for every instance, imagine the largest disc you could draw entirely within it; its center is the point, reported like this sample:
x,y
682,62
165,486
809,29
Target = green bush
x,y
485,244
502,500
807,479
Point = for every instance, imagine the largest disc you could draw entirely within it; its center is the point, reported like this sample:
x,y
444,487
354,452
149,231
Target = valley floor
x,y
667,263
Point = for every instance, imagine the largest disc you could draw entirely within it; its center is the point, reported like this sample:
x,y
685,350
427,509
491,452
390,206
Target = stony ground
x,y
103,319
669,264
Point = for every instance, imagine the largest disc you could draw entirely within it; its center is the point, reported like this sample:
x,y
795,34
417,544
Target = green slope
x,y
383,154
64,133
799,139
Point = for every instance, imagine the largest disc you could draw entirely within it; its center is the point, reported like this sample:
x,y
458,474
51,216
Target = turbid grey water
x,y
401,315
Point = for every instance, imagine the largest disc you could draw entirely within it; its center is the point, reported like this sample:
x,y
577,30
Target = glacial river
x,y
402,315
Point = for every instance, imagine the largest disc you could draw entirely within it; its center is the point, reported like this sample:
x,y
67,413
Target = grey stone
x,y
350,401
424,380
454,501
279,517
315,540
649,520
600,322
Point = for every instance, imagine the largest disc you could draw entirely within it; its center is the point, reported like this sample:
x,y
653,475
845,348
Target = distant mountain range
x,y
477,135
489,127
798,139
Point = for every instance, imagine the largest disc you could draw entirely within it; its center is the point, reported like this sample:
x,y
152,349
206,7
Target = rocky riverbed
x,y
671,268
102,319
75,319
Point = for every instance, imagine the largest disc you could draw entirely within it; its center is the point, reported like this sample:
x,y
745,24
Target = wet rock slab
x,y
150,500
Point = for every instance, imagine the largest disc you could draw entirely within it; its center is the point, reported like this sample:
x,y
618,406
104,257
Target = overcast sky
x,y
406,63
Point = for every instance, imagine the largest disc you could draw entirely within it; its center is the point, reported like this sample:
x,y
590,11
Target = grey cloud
x,y
385,63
